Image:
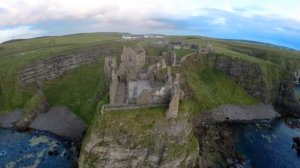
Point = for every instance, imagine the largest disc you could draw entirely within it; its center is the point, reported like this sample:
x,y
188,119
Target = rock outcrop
x,y
239,113
139,139
61,121
55,66
38,104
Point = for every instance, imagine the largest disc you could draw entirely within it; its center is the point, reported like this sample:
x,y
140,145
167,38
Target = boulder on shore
x,y
61,121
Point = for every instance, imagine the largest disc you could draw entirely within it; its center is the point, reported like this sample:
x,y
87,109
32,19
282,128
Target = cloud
x,y
248,19
280,29
33,11
19,32
16,12
219,21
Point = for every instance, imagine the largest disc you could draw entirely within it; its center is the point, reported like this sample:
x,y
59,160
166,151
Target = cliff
x,y
139,139
55,66
266,81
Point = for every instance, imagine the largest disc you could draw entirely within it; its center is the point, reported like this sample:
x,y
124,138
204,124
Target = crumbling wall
x,y
113,87
174,103
170,57
173,107
161,94
110,64
144,98
55,66
120,107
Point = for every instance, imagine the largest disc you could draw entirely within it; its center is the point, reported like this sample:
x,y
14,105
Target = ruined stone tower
x,y
169,56
110,64
132,60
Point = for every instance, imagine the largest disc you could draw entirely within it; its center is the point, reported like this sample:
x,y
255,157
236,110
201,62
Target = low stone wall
x,y
109,107
55,66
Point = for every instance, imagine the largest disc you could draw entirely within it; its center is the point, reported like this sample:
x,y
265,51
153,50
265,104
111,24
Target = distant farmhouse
x,y
184,46
129,37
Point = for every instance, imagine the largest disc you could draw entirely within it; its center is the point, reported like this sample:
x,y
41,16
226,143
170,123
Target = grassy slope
x,y
247,51
80,90
212,88
15,54
183,52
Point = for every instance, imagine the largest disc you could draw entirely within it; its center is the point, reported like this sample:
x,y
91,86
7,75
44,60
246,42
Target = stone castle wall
x,y
113,87
55,66
116,107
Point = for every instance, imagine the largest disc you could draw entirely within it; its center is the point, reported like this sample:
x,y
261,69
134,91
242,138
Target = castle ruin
x,y
143,81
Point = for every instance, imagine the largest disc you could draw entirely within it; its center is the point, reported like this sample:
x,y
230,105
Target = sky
x,y
271,21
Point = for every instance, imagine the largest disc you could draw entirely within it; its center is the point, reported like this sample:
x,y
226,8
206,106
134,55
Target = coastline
x,y
237,114
58,120
216,136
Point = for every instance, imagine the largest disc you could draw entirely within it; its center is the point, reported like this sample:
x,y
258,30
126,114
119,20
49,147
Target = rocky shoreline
x,y
216,146
239,113
58,120
217,138
61,121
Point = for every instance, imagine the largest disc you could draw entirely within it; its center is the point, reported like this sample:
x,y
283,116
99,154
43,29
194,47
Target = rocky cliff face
x,y
55,66
266,81
286,100
139,139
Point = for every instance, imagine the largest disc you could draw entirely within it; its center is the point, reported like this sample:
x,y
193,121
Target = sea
x,y
267,144
35,149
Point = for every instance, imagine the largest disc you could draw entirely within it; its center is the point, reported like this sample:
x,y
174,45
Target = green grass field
x,y
183,52
254,52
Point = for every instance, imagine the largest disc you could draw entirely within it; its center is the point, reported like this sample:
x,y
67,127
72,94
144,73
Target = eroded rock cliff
x,y
140,138
269,82
55,66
